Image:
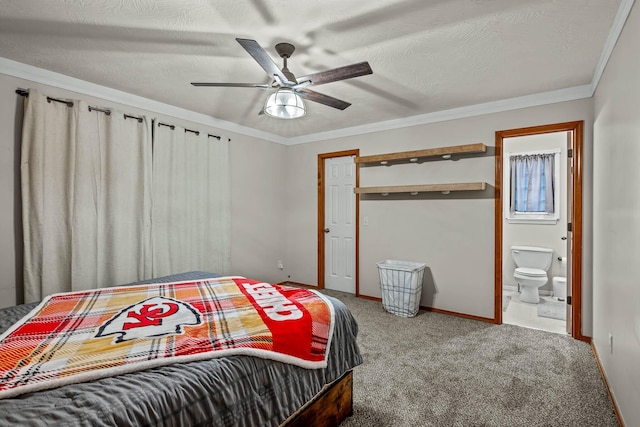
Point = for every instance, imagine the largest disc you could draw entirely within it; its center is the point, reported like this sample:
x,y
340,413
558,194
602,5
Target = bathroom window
x,y
533,187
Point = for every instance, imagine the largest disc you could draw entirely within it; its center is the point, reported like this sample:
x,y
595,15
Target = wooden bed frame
x,y
328,408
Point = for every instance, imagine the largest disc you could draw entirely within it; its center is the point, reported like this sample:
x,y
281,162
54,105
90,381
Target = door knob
x,y
326,230
563,238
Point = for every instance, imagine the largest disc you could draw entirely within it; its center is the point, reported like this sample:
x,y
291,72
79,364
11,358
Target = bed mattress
x,y
229,391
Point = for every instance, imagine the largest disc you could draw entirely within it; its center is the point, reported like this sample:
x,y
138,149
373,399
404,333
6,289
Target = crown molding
x,y
38,75
50,78
544,98
616,29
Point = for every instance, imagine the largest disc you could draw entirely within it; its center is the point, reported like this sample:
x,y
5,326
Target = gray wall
x,y
453,234
616,220
275,215
10,216
257,197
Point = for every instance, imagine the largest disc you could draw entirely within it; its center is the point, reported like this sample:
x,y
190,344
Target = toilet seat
x,y
529,280
531,272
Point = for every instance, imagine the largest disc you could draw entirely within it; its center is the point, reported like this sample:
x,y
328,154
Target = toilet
x,y
532,264
560,282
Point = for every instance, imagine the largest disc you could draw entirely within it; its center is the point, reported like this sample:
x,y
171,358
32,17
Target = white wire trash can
x,y
401,286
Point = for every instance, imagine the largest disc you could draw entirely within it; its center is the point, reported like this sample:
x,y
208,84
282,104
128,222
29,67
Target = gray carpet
x,y
552,309
441,370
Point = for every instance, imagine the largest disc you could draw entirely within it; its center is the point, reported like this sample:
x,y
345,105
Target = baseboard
x,y
583,338
439,310
455,313
422,307
606,383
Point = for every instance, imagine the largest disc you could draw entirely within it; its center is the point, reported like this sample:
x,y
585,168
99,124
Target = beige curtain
x,y
86,191
191,202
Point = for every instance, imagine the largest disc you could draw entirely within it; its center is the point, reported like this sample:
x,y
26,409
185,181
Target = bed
x,y
227,391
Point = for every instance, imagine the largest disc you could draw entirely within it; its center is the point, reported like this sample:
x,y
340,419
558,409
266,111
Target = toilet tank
x,y
532,257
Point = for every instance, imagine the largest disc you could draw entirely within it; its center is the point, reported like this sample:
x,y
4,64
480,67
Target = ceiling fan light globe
x,y
285,104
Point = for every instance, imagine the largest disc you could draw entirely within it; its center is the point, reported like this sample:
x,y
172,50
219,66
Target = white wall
x,y
545,235
257,194
453,234
616,220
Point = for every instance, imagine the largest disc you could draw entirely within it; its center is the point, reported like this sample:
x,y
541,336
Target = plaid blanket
x,y
82,336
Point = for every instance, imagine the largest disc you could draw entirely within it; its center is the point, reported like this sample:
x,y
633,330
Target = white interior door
x,y
340,219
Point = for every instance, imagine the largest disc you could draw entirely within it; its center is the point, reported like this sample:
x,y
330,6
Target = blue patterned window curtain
x,y
532,186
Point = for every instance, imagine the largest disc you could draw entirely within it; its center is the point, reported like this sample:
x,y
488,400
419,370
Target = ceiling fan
x,y
286,102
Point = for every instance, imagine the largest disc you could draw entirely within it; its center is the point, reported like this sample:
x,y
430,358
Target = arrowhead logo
x,y
152,318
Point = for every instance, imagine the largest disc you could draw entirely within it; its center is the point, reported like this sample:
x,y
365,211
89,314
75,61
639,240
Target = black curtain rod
x,y
24,92
108,113
129,116
102,110
197,132
173,127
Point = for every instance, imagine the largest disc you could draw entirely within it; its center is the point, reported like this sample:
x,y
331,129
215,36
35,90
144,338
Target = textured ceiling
x,y
426,55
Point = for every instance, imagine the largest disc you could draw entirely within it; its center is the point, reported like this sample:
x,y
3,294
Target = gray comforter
x,y
230,391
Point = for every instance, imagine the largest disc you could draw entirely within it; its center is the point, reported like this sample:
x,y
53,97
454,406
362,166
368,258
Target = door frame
x,y
575,218
321,190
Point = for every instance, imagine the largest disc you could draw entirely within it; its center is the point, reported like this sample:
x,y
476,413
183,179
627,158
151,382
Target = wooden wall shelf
x,y
461,186
415,156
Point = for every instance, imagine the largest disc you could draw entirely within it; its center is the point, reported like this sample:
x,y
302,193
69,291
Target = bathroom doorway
x,y
560,230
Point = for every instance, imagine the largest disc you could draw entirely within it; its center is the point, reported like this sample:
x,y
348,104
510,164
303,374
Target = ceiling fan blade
x,y
256,85
323,99
263,58
336,74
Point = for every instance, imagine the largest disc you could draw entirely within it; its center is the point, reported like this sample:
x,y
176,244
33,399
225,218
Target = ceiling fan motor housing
x,y
285,50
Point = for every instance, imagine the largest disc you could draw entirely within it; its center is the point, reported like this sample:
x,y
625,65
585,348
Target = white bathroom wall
x,y
545,235
616,221
257,193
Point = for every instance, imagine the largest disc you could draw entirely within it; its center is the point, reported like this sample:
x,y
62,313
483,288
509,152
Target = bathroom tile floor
x,y
525,314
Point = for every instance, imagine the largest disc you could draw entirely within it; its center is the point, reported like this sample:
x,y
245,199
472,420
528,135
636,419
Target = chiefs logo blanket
x,y
81,336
